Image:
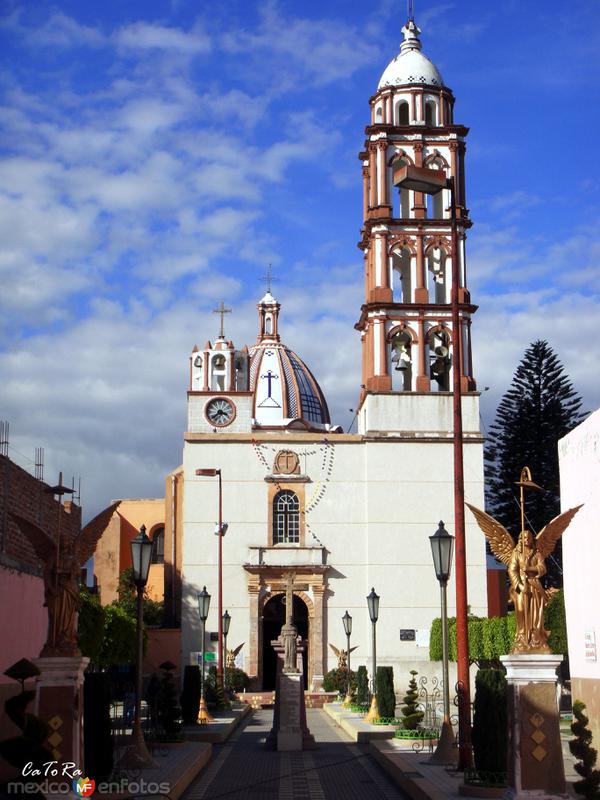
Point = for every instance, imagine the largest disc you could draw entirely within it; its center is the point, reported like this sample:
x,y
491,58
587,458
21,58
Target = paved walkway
x,y
339,769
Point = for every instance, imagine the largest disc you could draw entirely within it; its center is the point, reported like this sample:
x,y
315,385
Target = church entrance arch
x,y
272,619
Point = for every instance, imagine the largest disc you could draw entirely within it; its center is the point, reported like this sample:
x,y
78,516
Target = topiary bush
x,y
411,715
490,724
190,696
386,697
586,755
97,733
362,686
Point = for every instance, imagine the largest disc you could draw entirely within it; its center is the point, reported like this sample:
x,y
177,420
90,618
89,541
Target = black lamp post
x,y
220,530
141,554
347,620
373,606
203,608
432,181
442,545
226,624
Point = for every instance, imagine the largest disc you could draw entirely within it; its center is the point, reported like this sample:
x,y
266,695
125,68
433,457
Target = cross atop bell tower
x,y
405,323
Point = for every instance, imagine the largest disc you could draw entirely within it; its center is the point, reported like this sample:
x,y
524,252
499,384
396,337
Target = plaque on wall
x,y
408,634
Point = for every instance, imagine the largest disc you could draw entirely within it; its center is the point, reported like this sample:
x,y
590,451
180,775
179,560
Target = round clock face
x,y
220,412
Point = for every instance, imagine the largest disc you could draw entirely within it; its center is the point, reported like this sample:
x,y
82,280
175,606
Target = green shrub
x,y
91,626
489,638
169,712
190,696
119,645
362,686
97,734
386,697
336,680
411,715
490,730
586,755
236,680
555,623
435,640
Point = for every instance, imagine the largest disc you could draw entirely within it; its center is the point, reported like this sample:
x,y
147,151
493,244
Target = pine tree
x,y
581,748
539,408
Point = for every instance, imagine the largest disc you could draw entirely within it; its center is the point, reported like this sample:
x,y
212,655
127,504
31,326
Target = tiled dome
x,y
410,65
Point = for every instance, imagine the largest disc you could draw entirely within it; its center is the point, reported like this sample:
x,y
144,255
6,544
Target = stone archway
x,y
265,582
273,618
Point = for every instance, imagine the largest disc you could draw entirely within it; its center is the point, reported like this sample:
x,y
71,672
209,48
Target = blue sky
x,y
157,156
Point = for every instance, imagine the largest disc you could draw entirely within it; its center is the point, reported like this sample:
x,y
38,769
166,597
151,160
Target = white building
x,y
345,512
579,458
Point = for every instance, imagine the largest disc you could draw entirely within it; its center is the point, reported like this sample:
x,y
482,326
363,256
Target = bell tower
x,y
405,324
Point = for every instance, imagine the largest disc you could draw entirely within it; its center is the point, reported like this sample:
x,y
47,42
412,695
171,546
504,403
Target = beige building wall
x,y
579,454
113,553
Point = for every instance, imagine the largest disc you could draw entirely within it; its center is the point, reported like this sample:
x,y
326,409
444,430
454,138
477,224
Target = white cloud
x,y
148,36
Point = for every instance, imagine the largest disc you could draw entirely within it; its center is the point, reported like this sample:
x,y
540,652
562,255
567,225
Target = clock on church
x,y
220,411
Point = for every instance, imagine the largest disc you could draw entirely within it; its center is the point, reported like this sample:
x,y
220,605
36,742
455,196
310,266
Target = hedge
x,y
492,637
386,697
490,721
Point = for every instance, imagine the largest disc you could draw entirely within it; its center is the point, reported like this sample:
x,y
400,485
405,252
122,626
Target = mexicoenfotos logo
x,y
83,787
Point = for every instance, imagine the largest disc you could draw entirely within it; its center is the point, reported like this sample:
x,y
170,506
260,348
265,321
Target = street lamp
x,y
347,620
141,554
432,181
373,606
221,529
441,549
226,624
203,607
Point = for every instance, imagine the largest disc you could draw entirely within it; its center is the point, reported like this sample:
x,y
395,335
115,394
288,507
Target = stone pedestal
x,y
535,761
290,730
59,702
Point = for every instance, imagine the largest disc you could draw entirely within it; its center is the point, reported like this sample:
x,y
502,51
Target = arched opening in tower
x,y
402,283
272,620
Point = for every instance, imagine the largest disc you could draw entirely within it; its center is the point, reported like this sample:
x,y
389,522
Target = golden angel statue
x,y
231,655
342,656
63,557
526,566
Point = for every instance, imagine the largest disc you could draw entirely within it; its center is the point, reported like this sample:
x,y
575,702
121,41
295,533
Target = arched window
x,y
402,276
219,369
379,115
430,113
158,546
403,113
440,361
286,518
437,276
401,198
401,359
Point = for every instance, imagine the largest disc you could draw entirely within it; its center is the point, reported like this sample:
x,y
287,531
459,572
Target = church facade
x,y
344,512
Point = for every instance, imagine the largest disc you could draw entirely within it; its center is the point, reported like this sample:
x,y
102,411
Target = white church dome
x,y
411,65
284,388
285,391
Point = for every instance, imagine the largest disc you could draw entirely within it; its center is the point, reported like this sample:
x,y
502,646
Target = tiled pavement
x,y
338,769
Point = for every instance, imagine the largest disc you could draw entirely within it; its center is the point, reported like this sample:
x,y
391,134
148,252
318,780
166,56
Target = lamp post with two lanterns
x,y
433,181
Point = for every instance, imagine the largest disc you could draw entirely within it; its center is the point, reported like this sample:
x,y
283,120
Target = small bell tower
x,y
219,397
405,323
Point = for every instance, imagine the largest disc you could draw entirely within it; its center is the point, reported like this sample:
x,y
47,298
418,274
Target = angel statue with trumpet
x,y
526,566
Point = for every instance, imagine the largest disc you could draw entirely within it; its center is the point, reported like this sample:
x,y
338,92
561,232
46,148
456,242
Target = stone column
x,y
421,295
317,644
422,384
59,702
535,761
255,634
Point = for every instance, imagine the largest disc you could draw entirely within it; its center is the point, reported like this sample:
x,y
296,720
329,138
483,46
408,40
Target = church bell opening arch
x,y
273,617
